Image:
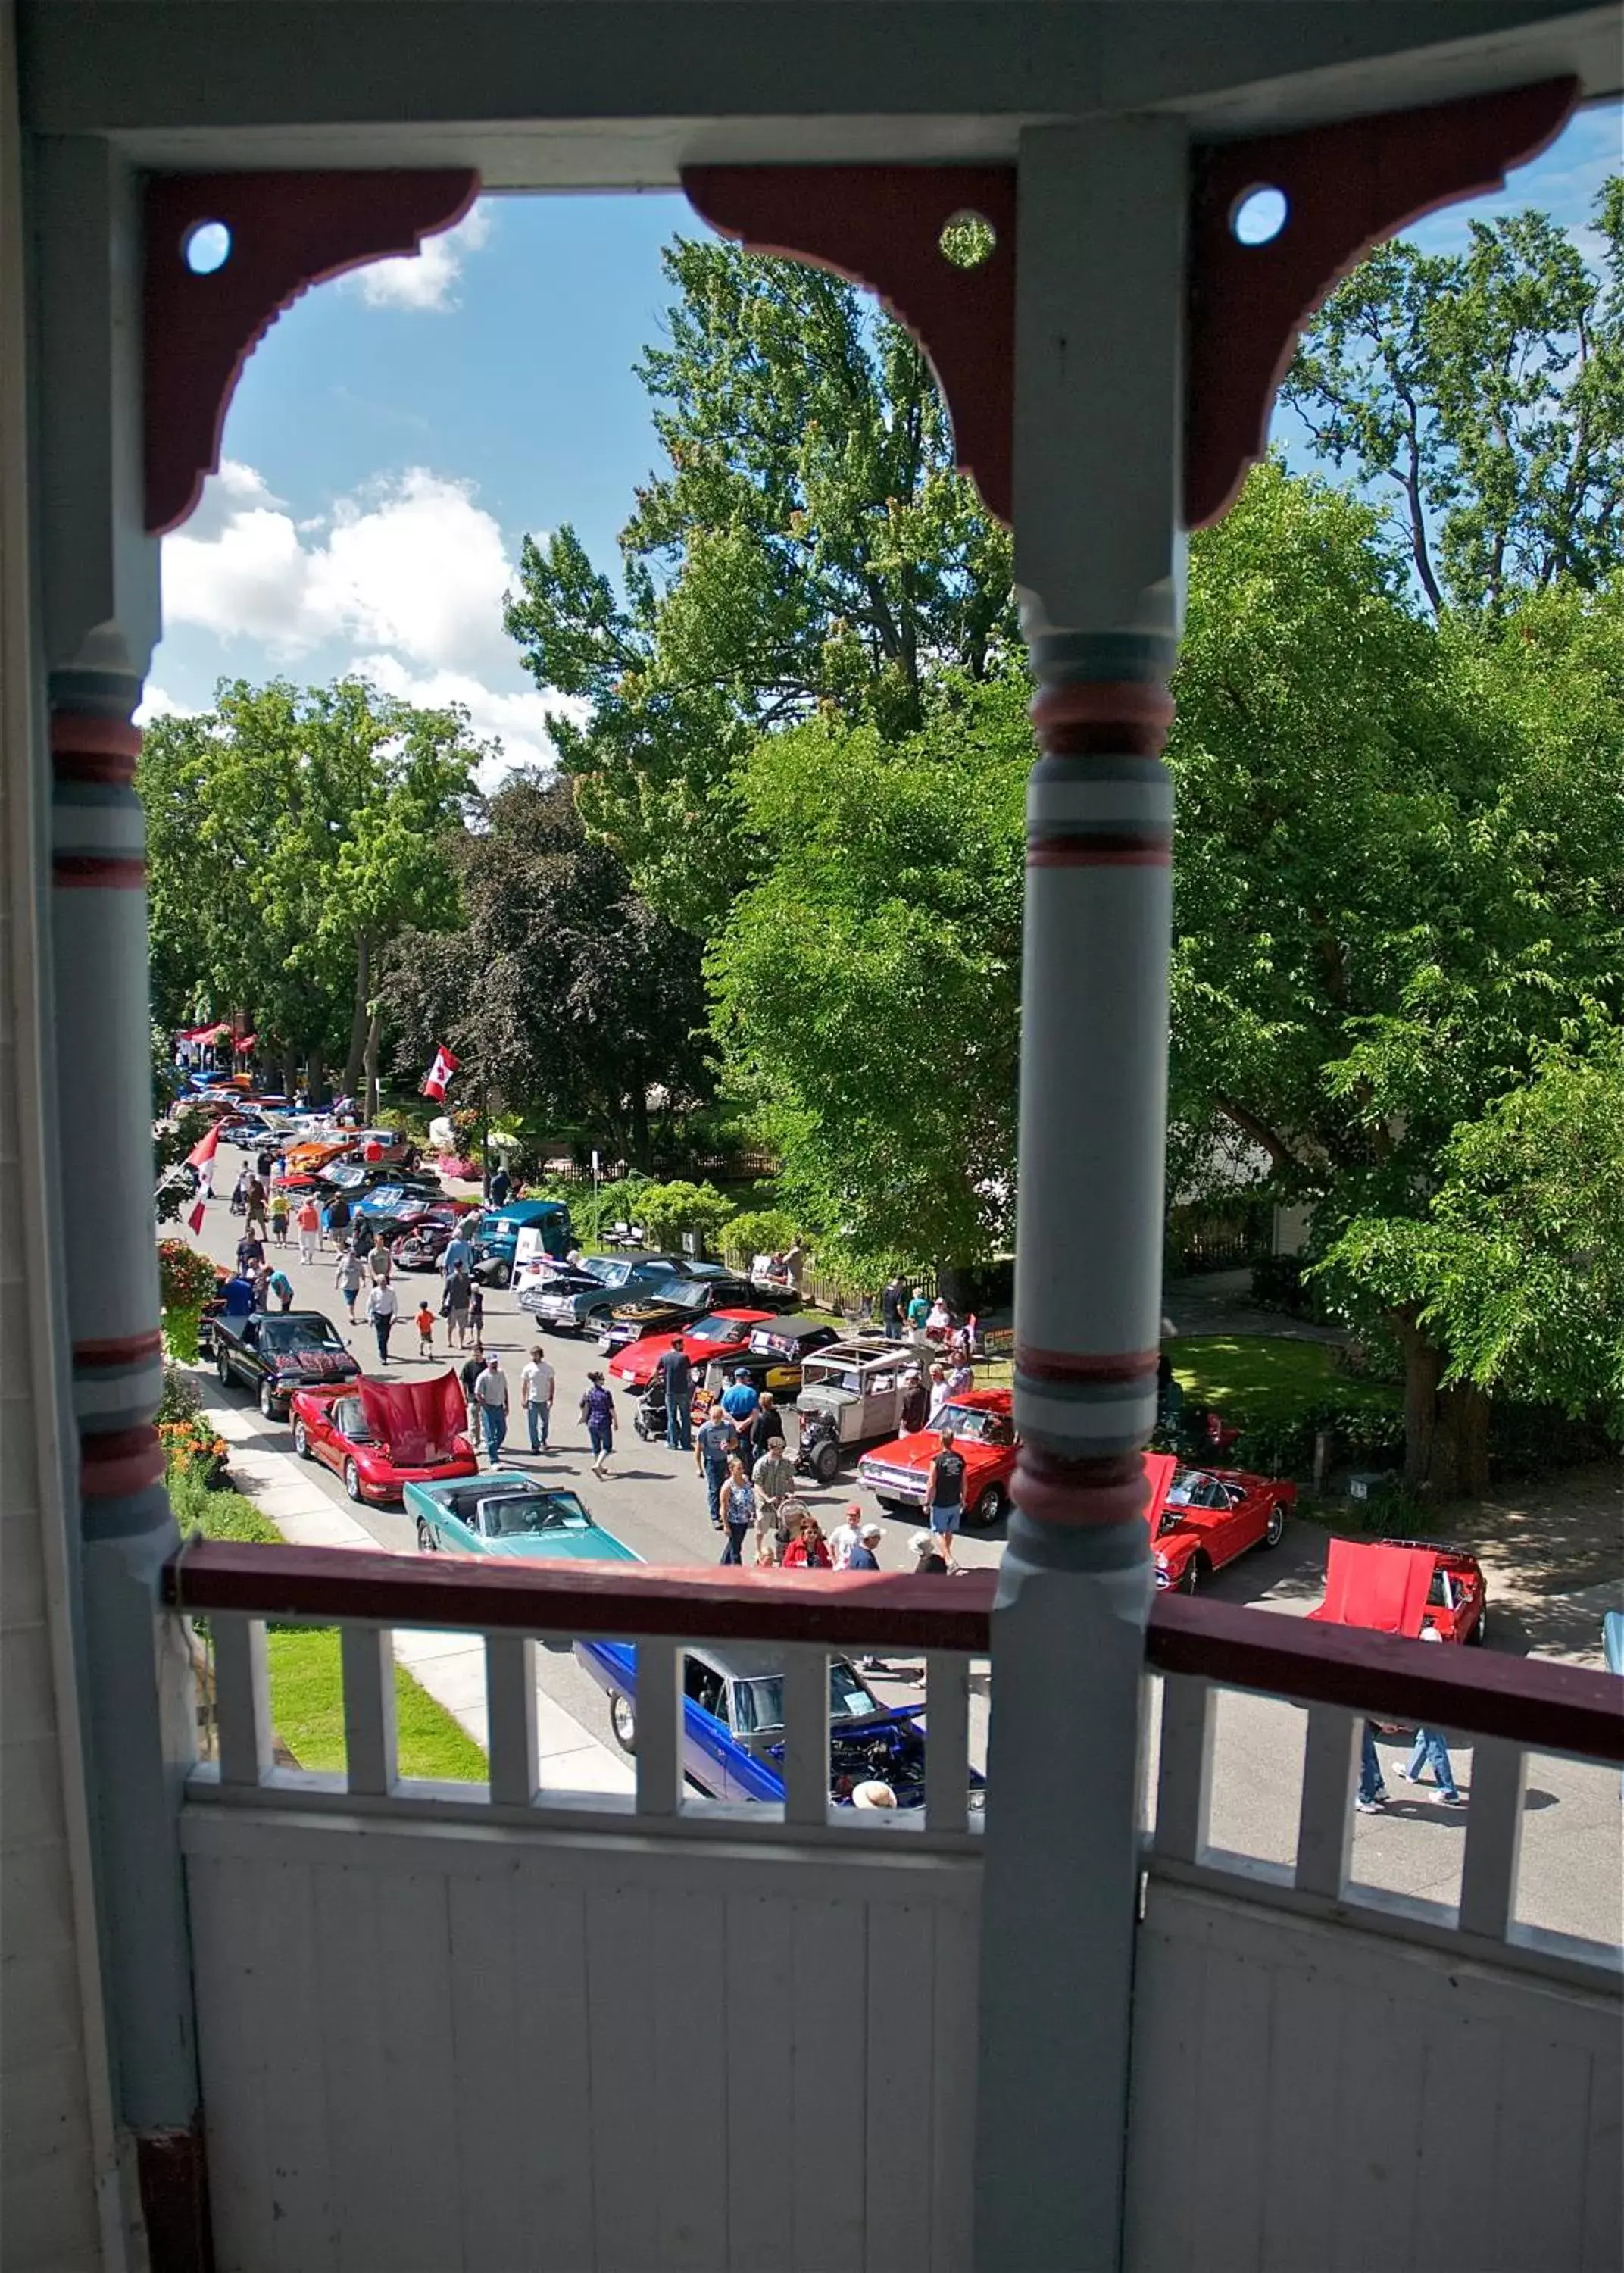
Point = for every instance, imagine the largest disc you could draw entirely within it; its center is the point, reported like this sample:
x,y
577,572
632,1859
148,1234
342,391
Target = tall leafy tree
x,y
1480,397
866,987
288,834
1400,879
562,992
809,549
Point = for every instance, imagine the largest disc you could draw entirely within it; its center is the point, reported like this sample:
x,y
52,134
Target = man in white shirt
x,y
490,1396
536,1385
382,1305
846,1535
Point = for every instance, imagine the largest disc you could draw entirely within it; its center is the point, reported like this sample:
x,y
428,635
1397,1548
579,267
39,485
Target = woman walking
x,y
597,1410
739,1510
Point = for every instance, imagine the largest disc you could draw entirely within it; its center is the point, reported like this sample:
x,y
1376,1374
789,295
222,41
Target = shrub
x,y
180,1399
667,1210
1367,1433
765,1231
186,1279
1277,1284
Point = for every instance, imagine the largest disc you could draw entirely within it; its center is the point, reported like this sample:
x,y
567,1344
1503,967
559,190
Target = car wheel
x,y
222,1367
987,1509
352,1480
503,1275
1195,1575
623,1721
826,1463
302,1441
1480,1633
268,1400
425,1538
1274,1531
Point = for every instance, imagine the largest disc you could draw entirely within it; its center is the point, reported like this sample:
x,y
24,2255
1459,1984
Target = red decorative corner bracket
x,y
288,231
1347,186
881,226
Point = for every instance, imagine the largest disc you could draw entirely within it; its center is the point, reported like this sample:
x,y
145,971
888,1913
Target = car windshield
x,y
760,1704
516,1513
977,1423
714,1330
682,1292
1190,1488
607,1272
281,1336
351,1421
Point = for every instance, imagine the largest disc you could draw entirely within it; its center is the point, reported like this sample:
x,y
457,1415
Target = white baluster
x,y
242,1697
946,1751
1325,1827
1494,1837
368,1709
659,1710
807,1734
1184,1774
510,1718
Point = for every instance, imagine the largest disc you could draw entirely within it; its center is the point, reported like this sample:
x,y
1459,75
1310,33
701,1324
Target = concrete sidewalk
x,y
450,1666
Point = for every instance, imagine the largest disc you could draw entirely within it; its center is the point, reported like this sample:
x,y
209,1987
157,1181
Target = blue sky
x,y
398,433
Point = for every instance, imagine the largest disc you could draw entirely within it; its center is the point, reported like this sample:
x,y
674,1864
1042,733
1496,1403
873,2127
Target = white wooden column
x,y
1099,395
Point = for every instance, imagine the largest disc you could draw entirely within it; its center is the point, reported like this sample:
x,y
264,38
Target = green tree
x,y
563,992
866,988
289,833
1398,880
810,549
1480,397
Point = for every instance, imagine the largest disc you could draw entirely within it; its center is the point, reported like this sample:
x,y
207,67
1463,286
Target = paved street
x,y
1570,1877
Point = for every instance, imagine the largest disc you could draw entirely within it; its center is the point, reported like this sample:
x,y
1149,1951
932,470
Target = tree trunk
x,y
354,1062
315,1079
290,1071
641,1154
1446,1430
374,1037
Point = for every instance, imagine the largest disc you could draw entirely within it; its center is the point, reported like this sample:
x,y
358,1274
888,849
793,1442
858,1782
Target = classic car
x,y
723,1336
312,1154
353,1177
677,1303
732,1740
380,1436
497,1240
1406,1586
419,1246
851,1393
1208,1516
776,1354
274,1352
983,1435
509,1514
579,1300
380,1147
248,1130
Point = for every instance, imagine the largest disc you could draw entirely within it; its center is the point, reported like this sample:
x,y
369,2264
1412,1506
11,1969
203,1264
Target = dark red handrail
x,y
1542,1705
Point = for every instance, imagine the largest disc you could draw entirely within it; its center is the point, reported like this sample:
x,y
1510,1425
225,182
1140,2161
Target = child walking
x,y
425,1330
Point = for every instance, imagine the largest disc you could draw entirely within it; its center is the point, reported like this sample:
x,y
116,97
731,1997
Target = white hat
x,y
919,1543
873,1795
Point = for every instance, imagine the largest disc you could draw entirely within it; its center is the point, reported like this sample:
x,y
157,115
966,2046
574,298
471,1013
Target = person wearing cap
x,y
847,1534
863,1557
773,1478
739,1401
944,1495
927,1562
873,1794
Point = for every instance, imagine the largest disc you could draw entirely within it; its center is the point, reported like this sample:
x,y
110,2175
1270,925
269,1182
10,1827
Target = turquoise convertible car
x,y
509,1514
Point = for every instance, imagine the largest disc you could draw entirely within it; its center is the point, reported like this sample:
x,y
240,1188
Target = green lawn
x,y
306,1680
307,1709
1268,1377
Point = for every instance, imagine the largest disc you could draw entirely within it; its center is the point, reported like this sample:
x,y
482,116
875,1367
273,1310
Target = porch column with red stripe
x,y
1100,309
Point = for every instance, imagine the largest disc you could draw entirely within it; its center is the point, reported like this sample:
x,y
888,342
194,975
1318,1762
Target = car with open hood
x,y
678,1302
732,1728
377,1437
983,1435
581,1298
1412,1586
513,1516
275,1351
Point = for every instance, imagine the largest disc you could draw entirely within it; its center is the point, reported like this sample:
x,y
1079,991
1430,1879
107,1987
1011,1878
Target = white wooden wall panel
x,y
427,2049
1306,2095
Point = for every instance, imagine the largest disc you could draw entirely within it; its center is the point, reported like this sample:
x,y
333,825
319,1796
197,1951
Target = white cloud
x,y
413,563
155,703
518,721
426,279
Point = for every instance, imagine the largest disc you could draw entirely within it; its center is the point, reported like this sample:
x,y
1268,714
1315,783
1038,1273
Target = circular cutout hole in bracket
x,y
1259,214
967,240
206,247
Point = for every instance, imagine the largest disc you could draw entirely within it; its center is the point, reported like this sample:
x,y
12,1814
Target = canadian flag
x,y
195,1219
437,1079
204,1151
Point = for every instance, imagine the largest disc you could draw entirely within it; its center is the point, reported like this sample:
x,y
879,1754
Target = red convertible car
x,y
1208,1516
723,1334
1406,1586
380,1436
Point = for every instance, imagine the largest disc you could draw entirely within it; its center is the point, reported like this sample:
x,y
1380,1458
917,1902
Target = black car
x,y
275,1351
676,1305
776,1352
